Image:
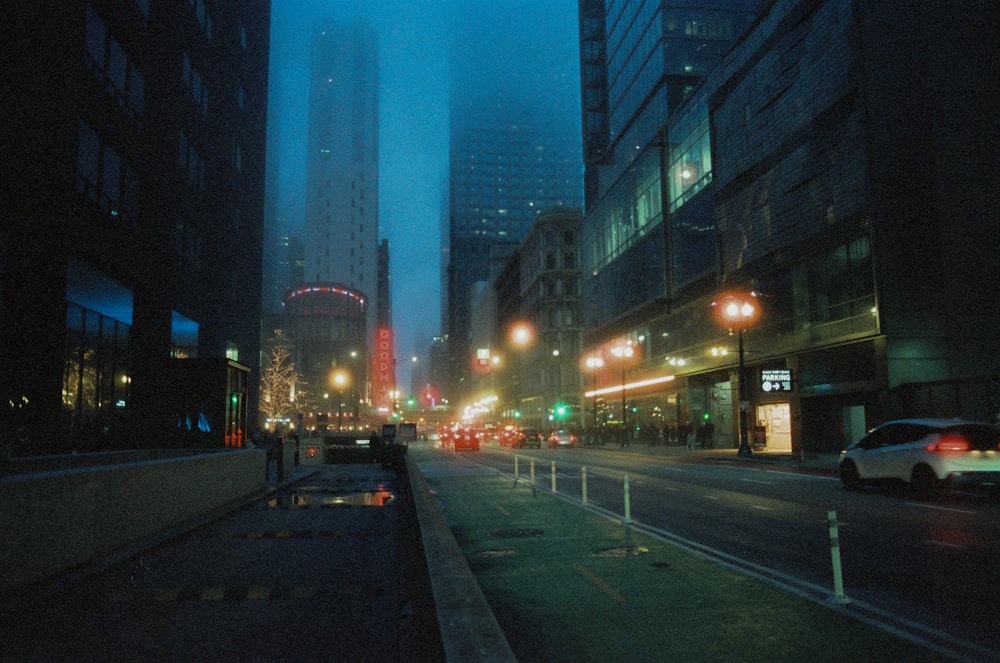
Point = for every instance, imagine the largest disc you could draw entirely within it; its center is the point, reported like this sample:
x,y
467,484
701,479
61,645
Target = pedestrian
x,y
688,434
375,446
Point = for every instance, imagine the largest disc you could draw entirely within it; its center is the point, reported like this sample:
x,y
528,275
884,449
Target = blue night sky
x,y
494,42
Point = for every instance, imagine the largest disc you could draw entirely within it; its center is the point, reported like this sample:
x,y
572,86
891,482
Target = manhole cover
x,y
622,551
519,533
660,565
503,552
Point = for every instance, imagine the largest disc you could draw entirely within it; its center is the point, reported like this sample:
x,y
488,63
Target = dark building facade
x,y
815,166
133,193
507,163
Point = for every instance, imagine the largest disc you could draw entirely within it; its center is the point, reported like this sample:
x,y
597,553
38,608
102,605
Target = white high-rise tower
x,y
342,165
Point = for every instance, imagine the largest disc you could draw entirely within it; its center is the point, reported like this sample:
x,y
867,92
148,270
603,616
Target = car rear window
x,y
981,437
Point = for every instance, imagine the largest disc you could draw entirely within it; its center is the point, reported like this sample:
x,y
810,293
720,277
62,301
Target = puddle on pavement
x,y
364,498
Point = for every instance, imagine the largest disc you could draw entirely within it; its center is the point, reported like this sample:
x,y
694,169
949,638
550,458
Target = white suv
x,y
925,453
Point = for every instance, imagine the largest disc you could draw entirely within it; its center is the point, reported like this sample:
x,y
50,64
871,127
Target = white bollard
x,y
553,476
515,471
583,484
838,578
628,506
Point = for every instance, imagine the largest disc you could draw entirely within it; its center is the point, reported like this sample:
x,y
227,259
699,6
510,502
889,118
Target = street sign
x,y
775,379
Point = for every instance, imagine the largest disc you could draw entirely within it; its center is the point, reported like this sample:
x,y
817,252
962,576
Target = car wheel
x,y
924,482
849,475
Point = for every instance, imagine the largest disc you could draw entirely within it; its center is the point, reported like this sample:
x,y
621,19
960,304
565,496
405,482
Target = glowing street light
x,y
737,311
340,379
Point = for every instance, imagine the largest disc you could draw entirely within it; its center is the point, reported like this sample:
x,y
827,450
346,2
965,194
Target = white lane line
x,y
762,508
940,508
766,483
944,544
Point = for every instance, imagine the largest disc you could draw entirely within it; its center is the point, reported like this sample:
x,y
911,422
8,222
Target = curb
x,y
469,629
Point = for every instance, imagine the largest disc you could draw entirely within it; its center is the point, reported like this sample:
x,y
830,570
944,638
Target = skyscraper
x,y
133,193
813,164
342,163
341,225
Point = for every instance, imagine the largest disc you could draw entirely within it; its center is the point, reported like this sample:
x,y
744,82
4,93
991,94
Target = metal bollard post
x,y
515,471
628,506
553,476
583,484
838,578
532,476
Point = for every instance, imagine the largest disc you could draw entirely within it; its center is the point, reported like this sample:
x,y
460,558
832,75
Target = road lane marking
x,y
945,544
603,586
503,510
941,508
762,508
766,483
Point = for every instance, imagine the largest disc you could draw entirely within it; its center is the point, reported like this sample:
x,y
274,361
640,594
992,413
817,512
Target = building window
x,y
105,179
106,58
194,84
690,156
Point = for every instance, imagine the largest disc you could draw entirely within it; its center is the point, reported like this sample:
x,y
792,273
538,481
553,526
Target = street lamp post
x,y
623,353
737,311
594,364
340,381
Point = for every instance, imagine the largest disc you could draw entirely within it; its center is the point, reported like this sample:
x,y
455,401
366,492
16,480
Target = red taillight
x,y
950,444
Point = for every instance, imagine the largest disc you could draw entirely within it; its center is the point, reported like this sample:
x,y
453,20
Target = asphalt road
x,y
930,561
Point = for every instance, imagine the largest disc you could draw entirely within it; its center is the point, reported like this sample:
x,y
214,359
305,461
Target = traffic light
x,y
560,410
706,416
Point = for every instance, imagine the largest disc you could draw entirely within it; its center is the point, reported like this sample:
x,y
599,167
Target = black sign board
x,y
775,379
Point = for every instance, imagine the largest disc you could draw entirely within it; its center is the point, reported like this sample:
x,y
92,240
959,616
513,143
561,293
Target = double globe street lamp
x,y
623,354
737,311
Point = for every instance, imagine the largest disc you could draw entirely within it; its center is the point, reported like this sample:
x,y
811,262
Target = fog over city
x,y
426,48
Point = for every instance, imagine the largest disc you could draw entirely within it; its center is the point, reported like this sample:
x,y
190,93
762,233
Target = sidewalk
x,y
567,584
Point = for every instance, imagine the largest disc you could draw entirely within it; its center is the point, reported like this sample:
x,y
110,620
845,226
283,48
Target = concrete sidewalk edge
x,y
469,629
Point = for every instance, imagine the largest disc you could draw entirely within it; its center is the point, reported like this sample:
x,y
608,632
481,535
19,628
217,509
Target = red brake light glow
x,y
950,444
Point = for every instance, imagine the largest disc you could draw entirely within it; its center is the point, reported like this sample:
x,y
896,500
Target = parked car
x,y
531,438
561,438
925,453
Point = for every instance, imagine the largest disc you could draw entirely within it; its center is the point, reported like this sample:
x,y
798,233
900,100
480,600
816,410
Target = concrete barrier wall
x,y
469,629
51,522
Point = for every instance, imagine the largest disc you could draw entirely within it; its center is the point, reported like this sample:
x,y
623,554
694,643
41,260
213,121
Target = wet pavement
x,y
320,569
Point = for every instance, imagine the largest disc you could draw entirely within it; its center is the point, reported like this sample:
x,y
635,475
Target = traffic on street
x,y
920,565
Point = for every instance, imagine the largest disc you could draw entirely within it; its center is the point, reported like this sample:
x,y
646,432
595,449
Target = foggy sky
x,y
495,43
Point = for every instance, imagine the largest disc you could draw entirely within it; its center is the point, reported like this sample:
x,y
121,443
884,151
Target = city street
x,y
926,561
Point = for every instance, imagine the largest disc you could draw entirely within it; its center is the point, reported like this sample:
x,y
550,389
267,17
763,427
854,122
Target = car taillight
x,y
950,444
